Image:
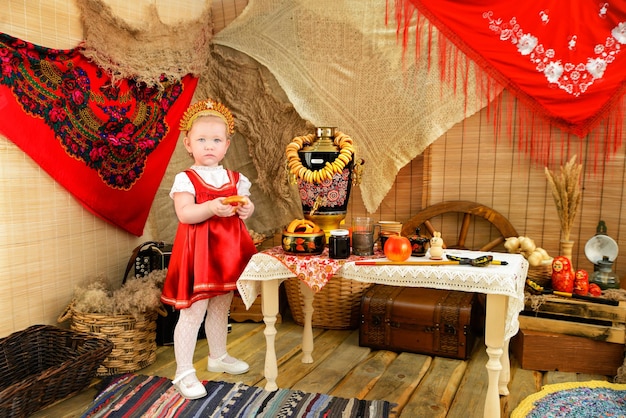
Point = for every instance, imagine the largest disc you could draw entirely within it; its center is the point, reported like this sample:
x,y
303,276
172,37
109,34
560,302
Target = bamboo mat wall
x,y
49,243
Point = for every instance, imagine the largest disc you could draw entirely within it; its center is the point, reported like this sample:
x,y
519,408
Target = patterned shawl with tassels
x,y
563,61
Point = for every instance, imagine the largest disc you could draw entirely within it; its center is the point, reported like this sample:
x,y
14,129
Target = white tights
x,y
215,326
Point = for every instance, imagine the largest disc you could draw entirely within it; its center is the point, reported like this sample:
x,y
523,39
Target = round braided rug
x,y
593,399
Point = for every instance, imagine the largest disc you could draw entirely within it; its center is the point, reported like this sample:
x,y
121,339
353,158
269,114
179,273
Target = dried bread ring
x,y
235,200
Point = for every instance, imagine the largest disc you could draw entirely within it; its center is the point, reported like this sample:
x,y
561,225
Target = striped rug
x,y
133,395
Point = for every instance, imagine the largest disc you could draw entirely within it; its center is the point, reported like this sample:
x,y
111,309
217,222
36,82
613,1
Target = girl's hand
x,y
220,209
245,211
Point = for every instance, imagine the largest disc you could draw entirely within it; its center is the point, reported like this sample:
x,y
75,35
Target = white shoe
x,y
219,365
190,388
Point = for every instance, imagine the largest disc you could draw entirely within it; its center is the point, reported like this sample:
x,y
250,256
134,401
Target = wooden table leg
x,y
307,331
494,339
505,373
269,306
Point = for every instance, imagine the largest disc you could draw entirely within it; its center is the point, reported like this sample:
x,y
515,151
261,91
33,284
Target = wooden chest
x,y
419,320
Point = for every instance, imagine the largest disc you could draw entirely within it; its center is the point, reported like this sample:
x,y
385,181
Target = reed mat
x,y
593,399
133,395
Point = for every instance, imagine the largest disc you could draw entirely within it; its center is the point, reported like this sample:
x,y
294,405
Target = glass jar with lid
x,y
339,244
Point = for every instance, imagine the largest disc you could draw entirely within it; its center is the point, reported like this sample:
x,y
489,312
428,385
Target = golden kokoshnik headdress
x,y
205,108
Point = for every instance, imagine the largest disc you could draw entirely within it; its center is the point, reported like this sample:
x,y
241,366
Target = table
x,y
503,285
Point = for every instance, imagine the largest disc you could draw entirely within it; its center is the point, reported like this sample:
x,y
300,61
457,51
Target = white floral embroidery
x,y
526,44
544,17
574,78
553,71
603,9
619,33
596,67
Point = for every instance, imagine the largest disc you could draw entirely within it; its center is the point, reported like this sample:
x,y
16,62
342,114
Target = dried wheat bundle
x,y
566,193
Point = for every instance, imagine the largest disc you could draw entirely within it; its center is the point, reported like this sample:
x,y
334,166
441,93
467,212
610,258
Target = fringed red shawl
x,y
563,60
107,144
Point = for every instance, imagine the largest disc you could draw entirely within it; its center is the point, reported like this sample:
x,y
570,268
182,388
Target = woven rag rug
x,y
341,65
593,399
133,395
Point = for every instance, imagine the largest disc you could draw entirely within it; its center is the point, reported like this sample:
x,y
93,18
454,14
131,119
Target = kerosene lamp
x,y
602,251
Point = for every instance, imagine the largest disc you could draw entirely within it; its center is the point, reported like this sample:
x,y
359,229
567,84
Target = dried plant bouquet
x,y
135,297
565,189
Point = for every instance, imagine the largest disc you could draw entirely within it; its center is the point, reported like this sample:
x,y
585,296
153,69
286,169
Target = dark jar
x,y
339,244
419,244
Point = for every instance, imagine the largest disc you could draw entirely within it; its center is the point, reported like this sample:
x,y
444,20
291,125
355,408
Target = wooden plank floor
x,y
420,385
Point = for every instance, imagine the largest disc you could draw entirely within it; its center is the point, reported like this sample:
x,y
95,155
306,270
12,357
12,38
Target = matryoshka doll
x,y
581,283
562,274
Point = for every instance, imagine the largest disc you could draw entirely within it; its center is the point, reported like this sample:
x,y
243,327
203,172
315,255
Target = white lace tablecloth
x,y
505,280
508,280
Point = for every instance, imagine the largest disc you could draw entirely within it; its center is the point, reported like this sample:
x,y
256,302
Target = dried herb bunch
x,y
566,193
135,297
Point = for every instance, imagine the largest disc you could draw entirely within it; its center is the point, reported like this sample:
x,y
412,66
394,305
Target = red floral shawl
x,y
563,60
107,144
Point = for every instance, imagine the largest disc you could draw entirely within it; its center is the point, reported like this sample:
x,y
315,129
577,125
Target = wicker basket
x,y
43,364
336,306
542,275
133,338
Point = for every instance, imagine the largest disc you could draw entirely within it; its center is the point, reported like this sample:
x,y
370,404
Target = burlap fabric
x,y
147,50
340,65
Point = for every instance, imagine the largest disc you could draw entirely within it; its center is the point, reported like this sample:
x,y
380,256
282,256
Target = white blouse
x,y
215,176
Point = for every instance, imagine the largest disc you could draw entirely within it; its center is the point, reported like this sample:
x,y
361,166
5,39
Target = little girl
x,y
212,245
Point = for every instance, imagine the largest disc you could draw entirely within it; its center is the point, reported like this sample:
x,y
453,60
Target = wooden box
x,y
570,335
577,318
547,351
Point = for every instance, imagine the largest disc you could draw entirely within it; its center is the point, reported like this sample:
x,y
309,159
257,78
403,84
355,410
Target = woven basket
x,y
336,306
133,337
43,364
542,275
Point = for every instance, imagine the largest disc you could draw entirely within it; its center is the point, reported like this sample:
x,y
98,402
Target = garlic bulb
x,y
512,245
535,259
528,245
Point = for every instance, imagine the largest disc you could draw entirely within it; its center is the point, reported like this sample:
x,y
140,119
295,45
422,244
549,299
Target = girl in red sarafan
x,y
212,244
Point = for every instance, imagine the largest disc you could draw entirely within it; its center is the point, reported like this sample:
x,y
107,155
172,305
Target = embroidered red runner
x,y
565,61
108,145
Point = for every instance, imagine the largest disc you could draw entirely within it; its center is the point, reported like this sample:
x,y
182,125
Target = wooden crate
x,y
571,336
546,351
577,318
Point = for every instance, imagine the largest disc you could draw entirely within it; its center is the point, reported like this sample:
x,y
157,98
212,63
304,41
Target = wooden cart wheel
x,y
469,211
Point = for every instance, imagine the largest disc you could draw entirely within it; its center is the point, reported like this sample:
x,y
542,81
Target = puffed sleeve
x,y
243,186
182,183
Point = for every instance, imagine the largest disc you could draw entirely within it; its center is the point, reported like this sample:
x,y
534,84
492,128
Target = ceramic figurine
x,y
562,274
581,283
436,246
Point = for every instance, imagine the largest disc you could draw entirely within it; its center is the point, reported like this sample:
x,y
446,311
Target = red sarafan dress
x,y
207,258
